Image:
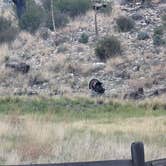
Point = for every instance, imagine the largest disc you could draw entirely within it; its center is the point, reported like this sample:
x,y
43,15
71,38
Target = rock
x,y
137,16
158,92
32,93
122,74
137,94
38,79
17,66
98,66
136,68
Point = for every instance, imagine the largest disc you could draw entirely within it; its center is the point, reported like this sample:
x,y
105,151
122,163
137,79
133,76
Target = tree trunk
x,y
96,28
52,14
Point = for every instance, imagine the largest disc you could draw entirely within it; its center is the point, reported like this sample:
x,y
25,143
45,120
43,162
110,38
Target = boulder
x,y
18,66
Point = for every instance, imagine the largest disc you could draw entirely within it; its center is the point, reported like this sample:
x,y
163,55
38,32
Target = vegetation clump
x,y
158,40
143,36
60,20
108,47
7,31
159,30
158,36
71,8
124,23
84,38
32,18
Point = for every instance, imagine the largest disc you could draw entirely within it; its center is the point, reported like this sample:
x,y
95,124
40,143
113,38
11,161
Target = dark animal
x,y
20,67
96,86
20,7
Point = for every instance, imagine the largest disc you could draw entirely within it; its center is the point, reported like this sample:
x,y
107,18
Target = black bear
x,y
96,86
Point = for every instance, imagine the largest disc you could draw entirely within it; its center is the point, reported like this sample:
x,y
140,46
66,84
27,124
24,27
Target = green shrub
x,y
164,20
32,18
7,31
142,36
84,38
163,17
60,20
108,47
72,8
158,40
159,30
124,24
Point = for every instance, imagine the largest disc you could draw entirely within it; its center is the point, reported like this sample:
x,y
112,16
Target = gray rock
x,y
136,94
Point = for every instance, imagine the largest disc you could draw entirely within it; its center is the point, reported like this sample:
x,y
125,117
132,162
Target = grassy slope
x,y
60,130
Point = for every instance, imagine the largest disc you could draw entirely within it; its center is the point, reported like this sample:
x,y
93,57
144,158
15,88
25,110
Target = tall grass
x,y
40,130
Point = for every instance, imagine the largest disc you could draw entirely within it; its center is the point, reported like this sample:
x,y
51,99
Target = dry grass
x,y
4,53
33,138
113,62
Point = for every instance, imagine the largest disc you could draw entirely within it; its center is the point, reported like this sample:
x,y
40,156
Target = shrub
x,y
158,41
108,47
164,20
163,17
159,30
124,24
32,18
72,8
142,36
84,38
60,20
7,31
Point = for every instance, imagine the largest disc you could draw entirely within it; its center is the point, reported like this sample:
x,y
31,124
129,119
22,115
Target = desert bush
x,y
158,40
159,30
72,8
32,18
108,47
124,23
7,31
60,20
142,36
84,38
163,17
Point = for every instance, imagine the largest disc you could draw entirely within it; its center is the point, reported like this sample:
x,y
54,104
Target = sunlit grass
x,y
40,130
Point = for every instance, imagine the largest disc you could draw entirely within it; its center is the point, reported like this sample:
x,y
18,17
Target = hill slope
x,y
60,65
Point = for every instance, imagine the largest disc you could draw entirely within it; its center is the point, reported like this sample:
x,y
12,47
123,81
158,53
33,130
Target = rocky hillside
x,y
56,63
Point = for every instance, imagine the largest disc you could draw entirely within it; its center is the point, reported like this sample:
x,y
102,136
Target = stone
x,y
122,74
137,16
18,66
136,94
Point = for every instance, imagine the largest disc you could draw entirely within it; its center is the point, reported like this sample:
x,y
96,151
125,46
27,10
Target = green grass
x,y
79,108
43,130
